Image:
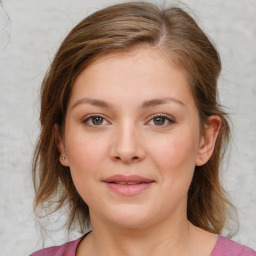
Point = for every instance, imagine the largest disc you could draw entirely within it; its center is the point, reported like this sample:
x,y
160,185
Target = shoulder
x,y
68,249
227,247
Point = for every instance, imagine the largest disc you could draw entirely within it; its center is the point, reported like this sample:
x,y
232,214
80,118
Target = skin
x,y
128,139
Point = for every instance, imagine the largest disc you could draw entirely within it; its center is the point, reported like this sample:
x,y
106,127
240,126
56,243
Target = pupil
x,y
97,120
159,120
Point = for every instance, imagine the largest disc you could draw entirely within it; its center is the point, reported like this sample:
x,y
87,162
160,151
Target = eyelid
x,y
169,118
88,117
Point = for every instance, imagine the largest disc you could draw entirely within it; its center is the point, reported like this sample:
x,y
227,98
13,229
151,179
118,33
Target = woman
x,y
132,136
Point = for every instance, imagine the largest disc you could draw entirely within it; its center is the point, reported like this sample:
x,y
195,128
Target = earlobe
x,y
60,145
208,140
64,161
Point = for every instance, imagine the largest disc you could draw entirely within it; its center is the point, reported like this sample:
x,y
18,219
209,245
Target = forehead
x,y
136,74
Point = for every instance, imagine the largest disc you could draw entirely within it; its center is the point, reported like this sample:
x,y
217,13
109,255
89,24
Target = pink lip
x,y
120,184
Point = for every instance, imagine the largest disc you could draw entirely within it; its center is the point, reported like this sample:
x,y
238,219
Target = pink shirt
x,y
223,247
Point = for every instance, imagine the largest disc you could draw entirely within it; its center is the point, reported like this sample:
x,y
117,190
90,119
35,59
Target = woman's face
x,y
132,138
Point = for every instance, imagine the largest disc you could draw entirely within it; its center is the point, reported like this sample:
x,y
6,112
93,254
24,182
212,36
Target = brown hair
x,y
122,27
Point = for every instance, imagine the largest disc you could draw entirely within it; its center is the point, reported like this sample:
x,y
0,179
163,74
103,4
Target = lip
x,y
128,185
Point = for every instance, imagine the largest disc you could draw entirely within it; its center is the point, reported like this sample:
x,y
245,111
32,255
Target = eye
x,y
161,120
95,121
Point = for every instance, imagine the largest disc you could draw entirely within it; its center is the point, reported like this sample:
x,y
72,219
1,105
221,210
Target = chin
x,y
130,217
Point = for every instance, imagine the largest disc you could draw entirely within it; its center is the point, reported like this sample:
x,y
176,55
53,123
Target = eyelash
x,y
165,117
86,120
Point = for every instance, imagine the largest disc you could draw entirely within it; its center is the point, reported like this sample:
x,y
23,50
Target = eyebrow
x,y
155,102
145,104
94,102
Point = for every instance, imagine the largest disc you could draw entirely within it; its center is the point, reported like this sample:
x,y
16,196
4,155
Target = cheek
x,y
86,157
85,153
175,155
175,150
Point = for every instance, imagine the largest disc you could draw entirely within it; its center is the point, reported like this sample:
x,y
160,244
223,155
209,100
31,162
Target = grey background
x,y
36,29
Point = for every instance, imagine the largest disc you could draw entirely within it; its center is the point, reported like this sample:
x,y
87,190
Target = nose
x,y
127,146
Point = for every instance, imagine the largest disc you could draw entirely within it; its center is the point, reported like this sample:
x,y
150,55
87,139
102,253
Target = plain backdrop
x,y
28,42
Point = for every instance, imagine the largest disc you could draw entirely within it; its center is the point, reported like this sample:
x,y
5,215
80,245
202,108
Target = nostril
x,y
126,158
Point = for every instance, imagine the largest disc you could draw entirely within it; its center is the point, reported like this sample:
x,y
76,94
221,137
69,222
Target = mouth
x,y
128,185
127,180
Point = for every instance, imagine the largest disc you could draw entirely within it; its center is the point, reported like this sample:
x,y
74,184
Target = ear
x,y
60,145
208,139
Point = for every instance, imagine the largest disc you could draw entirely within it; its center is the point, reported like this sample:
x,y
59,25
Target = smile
x,y
128,185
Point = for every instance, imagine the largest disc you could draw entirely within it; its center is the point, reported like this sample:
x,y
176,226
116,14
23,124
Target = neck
x,y
168,238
